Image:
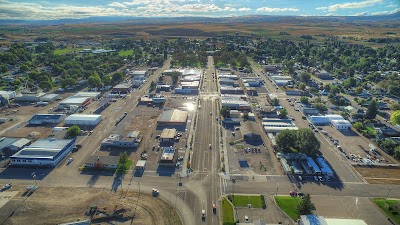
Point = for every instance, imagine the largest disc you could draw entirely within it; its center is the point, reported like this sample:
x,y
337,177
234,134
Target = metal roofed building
x,y
168,157
173,117
39,119
19,144
320,220
325,169
5,142
93,95
115,140
235,104
341,124
325,120
49,97
168,135
83,119
122,88
78,101
43,152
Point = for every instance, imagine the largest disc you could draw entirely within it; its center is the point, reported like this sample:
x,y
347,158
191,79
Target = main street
x,y
205,162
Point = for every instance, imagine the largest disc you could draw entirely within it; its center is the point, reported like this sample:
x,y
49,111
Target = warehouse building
x,y
93,95
324,120
19,144
123,88
173,117
43,152
40,119
168,135
76,101
83,119
5,142
29,97
341,124
49,97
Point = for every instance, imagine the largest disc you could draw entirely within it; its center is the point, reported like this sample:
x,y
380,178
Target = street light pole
x,y
277,187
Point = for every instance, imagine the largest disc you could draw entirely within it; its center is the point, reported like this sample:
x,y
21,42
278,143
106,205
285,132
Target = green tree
x,y
302,86
123,158
118,76
304,100
307,142
395,117
45,85
358,126
3,68
107,80
387,145
286,140
283,113
397,153
152,85
94,80
275,102
23,68
175,77
305,77
372,110
73,131
306,206
359,90
225,112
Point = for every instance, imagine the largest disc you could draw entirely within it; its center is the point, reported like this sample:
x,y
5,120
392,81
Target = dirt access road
x,y
60,205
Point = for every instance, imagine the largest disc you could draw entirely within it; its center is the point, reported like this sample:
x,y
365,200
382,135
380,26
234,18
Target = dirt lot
x,y
254,152
60,205
380,175
350,141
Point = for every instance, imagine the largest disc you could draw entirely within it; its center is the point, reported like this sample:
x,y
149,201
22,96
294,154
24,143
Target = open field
x,y
70,204
244,200
380,175
319,30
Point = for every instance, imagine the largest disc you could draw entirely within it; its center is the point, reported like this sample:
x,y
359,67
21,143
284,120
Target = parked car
x,y
70,160
246,219
315,178
320,178
5,187
214,206
203,214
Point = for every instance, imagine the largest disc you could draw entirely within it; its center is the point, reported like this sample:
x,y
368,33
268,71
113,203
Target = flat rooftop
x,y
168,133
43,148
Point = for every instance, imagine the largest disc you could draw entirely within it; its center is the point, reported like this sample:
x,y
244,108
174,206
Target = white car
x,y
70,160
315,178
7,186
246,219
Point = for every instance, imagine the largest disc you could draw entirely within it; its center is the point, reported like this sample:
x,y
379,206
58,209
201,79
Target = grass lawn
x,y
288,205
124,167
125,52
243,200
384,204
66,50
227,213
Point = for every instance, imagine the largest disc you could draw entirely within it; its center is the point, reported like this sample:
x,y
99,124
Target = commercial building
x,y
190,85
83,119
315,219
123,88
29,96
172,117
87,94
5,142
276,125
168,157
43,152
231,90
76,101
102,162
138,73
235,104
325,169
341,124
296,92
228,76
40,119
324,120
168,135
132,140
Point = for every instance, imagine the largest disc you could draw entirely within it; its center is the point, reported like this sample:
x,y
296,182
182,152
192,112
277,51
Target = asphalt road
x,y
205,162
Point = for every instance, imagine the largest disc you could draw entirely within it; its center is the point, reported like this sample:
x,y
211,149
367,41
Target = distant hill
x,y
240,19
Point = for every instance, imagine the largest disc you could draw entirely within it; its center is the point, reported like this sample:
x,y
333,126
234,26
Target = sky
x,y
78,9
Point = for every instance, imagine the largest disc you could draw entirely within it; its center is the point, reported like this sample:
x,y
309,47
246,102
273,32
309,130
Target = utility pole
x,y
277,188
233,198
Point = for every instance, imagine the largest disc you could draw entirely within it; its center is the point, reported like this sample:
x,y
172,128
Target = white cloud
x,y
361,14
117,5
385,12
267,9
392,6
227,8
350,5
244,9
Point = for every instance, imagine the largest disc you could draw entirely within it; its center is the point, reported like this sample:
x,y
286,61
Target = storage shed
x,y
83,119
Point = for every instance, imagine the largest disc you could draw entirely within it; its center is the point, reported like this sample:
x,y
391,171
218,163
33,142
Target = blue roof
x,y
5,142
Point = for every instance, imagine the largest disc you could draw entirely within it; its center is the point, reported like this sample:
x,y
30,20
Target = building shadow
x,y
348,133
117,182
25,173
166,171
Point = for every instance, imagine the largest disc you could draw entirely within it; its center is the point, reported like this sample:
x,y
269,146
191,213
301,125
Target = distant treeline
x,y
384,40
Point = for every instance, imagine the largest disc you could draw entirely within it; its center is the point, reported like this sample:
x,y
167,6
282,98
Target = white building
x,y
43,152
341,124
83,119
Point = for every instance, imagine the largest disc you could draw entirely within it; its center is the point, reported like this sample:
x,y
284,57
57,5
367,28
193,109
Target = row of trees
x,y
302,140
